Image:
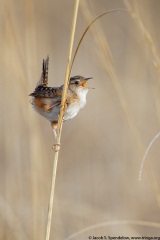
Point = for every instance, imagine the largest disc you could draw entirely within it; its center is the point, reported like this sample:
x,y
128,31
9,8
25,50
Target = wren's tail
x,y
44,76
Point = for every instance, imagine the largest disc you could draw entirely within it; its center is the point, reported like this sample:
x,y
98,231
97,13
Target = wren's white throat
x,y
74,107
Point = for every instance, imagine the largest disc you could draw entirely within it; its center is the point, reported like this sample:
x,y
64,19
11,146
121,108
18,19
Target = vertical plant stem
x,y
60,122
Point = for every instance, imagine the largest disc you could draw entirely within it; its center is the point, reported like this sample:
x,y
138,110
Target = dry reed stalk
x,y
91,23
60,121
107,63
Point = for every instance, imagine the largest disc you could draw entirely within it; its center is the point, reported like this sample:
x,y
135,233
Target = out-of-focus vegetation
x,y
102,148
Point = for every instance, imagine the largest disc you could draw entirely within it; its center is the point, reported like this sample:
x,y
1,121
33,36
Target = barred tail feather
x,y
44,76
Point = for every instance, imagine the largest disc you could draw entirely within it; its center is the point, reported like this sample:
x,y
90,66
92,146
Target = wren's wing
x,y
47,92
46,98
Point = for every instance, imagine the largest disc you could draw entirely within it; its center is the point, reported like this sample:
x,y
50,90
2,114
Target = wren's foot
x,y
55,133
54,127
56,147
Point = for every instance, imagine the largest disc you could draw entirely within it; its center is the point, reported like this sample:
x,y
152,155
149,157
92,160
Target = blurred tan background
x,y
97,188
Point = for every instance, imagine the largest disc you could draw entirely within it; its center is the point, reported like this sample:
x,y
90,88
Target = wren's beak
x,y
84,83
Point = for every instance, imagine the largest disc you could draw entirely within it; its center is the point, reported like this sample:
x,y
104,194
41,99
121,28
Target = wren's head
x,y
78,84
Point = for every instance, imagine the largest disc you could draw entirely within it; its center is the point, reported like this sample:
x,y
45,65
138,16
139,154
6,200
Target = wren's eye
x,y
76,82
